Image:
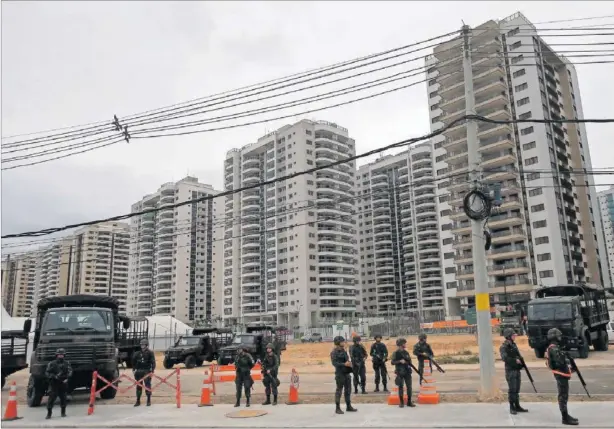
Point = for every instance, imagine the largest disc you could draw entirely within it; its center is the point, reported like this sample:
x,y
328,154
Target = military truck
x,y
130,339
255,339
203,345
87,327
578,311
510,319
14,352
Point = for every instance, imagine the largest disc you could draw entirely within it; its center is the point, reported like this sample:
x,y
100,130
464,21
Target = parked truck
x,y
578,311
202,346
87,327
130,339
14,352
255,340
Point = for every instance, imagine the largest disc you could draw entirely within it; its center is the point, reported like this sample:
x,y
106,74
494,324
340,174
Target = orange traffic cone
x,y
11,407
393,398
205,394
293,394
428,392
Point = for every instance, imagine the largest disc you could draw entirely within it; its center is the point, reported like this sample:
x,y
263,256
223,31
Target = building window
x,y
543,257
521,87
539,224
526,131
522,101
542,240
531,161
526,115
515,45
538,208
530,145
519,73
546,274
513,32
517,59
535,192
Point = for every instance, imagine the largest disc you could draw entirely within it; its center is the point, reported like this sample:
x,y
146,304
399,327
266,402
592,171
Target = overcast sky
x,y
78,62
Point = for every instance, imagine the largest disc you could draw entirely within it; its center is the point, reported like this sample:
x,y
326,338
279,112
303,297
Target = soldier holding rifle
x,y
510,355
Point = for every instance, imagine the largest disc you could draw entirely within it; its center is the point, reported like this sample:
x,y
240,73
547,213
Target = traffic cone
x,y
293,394
428,391
393,398
205,393
11,407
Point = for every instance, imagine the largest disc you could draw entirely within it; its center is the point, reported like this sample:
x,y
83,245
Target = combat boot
x,y
512,408
48,414
348,407
63,412
519,409
568,420
386,388
410,403
376,388
268,400
247,402
238,403
338,409
355,390
364,391
274,399
138,402
148,401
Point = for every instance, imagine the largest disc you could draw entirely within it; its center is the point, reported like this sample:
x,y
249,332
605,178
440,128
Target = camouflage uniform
x,y
270,368
58,373
510,355
422,350
143,363
339,357
402,371
244,362
359,355
379,356
557,361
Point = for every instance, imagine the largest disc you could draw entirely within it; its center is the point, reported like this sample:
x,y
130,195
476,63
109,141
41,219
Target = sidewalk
x,y
590,414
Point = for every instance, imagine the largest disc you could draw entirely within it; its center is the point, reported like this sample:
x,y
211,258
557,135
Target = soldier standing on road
x,y
423,351
510,355
379,356
143,364
244,362
402,360
557,361
58,373
270,367
358,353
343,368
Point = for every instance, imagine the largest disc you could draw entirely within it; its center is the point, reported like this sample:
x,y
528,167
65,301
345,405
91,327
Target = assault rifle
x,y
526,368
575,369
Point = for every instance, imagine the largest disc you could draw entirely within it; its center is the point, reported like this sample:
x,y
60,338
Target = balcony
x,y
508,252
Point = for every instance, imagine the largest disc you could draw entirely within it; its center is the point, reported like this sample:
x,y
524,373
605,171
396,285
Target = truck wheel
x,y
190,362
539,353
583,351
108,393
168,364
34,393
601,343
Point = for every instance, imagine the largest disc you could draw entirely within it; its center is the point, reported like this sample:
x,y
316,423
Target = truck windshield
x,y
550,311
243,339
77,321
188,341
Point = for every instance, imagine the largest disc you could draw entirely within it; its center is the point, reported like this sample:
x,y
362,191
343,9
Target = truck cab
x,y
87,327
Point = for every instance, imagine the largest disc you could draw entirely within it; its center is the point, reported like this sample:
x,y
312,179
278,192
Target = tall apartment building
x,y
400,259
172,252
606,206
289,247
19,283
54,269
545,231
99,261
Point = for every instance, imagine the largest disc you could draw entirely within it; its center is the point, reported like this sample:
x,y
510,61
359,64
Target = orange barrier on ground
x,y
293,394
393,398
226,373
428,392
11,407
113,385
205,394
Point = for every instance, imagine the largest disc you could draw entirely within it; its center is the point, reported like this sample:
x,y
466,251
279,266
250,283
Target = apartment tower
x,y
544,233
290,253
400,259
606,206
19,283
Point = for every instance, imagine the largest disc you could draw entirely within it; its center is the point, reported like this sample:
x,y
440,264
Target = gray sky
x,y
77,62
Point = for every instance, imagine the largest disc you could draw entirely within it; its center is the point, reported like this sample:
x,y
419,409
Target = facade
x,y
54,269
172,253
290,253
400,259
544,233
19,283
606,206
99,261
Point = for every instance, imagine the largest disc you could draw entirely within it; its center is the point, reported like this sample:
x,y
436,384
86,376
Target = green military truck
x,y
203,345
255,339
578,311
88,328
510,319
14,352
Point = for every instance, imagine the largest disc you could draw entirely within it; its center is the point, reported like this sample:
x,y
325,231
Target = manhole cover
x,y
246,414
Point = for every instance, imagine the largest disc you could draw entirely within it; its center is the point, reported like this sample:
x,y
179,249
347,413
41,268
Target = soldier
x,y
379,356
143,364
58,373
358,353
557,361
270,367
402,362
343,368
423,351
244,362
510,355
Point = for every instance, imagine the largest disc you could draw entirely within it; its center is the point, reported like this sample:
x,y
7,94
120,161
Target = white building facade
x,y
606,207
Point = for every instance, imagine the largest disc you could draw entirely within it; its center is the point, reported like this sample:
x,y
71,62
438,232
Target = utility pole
x,y
488,387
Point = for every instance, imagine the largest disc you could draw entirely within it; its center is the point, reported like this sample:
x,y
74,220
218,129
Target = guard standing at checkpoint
x,y
358,353
343,378
244,362
379,356
58,373
401,360
143,364
422,350
557,361
510,355
270,368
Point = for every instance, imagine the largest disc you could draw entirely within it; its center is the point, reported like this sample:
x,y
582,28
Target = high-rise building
x,y
54,269
544,233
99,261
290,247
606,206
19,283
400,258
172,252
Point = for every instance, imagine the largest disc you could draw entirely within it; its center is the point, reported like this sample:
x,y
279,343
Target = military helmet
x,y
356,338
377,336
270,346
144,342
422,337
401,341
554,334
508,332
338,340
60,351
